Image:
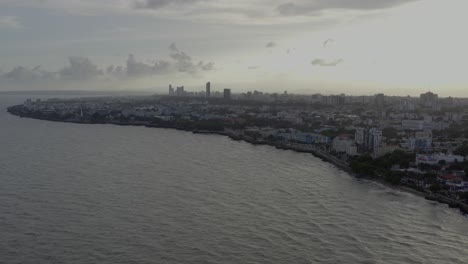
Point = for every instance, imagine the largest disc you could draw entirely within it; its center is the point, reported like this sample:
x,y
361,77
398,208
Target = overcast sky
x,y
397,47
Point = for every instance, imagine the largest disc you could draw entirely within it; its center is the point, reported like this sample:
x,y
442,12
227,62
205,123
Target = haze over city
x,y
242,131
396,47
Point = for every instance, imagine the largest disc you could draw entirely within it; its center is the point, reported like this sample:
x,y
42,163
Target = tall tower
x,y
208,90
227,94
171,90
379,100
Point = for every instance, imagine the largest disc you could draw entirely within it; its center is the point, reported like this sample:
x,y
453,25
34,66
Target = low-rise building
x,y
438,158
345,144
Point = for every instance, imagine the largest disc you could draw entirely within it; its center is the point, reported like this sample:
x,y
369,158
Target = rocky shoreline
x,y
17,110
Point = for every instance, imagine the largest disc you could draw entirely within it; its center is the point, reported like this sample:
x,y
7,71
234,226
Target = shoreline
x,y
300,148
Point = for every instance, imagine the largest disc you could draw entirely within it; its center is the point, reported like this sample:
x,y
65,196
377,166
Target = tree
x,y
394,178
435,188
271,138
462,150
464,196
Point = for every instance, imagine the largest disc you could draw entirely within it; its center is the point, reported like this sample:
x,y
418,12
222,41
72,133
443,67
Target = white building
x,y
344,144
360,135
436,158
414,125
419,143
375,138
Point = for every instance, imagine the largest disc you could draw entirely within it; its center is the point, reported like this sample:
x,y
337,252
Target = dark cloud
x,y
80,68
309,7
270,44
253,67
322,62
157,4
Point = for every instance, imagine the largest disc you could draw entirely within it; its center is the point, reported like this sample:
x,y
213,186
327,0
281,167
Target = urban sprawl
x,y
414,142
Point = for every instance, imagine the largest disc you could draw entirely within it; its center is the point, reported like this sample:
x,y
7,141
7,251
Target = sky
x,y
356,47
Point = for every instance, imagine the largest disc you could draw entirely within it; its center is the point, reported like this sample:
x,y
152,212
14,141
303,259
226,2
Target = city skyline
x,y
398,47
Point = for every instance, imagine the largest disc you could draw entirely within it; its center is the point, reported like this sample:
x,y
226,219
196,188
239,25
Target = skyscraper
x,y
208,89
428,99
368,139
180,91
171,90
227,94
380,100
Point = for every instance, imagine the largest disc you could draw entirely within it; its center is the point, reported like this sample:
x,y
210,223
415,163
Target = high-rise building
x,y
380,100
375,138
428,99
28,103
227,94
361,135
208,89
334,99
368,139
180,91
171,90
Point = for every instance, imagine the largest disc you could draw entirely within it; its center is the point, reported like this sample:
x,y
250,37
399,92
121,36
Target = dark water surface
x,y
74,193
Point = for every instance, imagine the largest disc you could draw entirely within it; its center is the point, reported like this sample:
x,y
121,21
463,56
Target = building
x,y
344,144
407,106
28,103
171,90
379,100
360,135
180,91
428,99
208,90
334,99
227,94
416,125
368,139
419,144
375,138
438,158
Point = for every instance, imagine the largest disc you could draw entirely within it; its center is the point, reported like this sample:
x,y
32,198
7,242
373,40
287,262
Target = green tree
x,y
435,187
462,150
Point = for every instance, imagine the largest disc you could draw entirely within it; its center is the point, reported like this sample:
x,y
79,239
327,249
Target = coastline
x,y
463,208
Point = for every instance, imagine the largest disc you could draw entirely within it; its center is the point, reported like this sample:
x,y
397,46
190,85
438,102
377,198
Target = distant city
x,y
416,142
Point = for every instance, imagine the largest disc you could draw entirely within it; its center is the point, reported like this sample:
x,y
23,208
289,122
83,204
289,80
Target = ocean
x,y
77,193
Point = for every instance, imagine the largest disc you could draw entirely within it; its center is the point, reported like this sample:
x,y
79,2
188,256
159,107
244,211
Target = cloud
x,y
21,74
322,62
157,4
311,7
184,63
80,68
253,67
136,68
261,12
270,44
10,22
